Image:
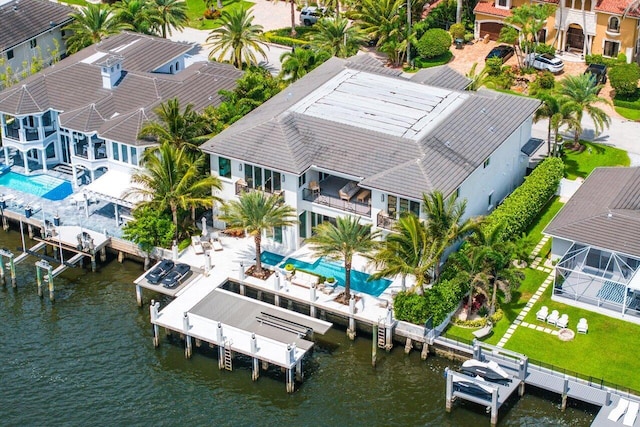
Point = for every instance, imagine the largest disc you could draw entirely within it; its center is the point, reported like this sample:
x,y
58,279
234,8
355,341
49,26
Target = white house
x,y
596,241
353,137
31,29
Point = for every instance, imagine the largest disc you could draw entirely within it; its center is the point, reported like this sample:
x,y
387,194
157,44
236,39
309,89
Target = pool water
x,y
359,281
47,187
269,258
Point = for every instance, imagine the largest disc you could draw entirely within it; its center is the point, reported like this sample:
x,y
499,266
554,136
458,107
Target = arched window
x,y
614,24
177,66
171,69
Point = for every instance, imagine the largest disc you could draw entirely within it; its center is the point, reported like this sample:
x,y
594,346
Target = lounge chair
x,y
542,313
349,190
632,412
216,245
583,326
197,245
553,317
563,321
483,332
617,412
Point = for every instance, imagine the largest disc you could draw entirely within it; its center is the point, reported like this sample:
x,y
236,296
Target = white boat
x,y
488,370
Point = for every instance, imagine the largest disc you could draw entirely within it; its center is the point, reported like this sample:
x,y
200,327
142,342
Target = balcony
x,y
242,187
12,132
31,134
385,221
585,19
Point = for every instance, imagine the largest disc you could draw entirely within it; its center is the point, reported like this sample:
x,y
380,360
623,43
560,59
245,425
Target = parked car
x,y
599,72
177,274
309,15
161,270
546,62
503,52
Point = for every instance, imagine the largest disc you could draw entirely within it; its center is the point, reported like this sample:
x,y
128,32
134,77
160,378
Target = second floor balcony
x,y
384,220
242,187
339,193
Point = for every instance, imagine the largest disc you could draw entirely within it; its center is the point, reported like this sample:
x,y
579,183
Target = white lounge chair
x,y
563,321
632,412
197,245
216,245
542,313
620,409
553,317
583,326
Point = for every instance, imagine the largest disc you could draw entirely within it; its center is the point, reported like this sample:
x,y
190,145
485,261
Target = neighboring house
x,y
581,26
31,29
596,240
83,115
353,137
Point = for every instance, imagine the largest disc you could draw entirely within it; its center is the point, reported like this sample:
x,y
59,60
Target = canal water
x,y
88,359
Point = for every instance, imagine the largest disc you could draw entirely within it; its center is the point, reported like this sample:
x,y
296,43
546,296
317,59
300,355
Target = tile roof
x,y
617,7
442,76
604,212
282,135
489,8
24,19
74,86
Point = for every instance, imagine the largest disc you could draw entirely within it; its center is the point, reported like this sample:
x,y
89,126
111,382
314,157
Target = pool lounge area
x,y
45,186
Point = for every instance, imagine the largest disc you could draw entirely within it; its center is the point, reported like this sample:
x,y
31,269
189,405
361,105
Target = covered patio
x,y
114,187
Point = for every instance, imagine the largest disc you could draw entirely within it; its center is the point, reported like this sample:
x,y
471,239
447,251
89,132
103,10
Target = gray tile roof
x,y
604,212
277,137
74,87
24,19
441,76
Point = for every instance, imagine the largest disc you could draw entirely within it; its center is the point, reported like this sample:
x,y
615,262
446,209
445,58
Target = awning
x,y
112,187
532,146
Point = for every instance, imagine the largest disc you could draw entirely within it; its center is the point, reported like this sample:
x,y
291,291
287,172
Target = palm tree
x,y
477,79
183,128
237,38
139,14
336,36
471,262
293,16
90,25
172,14
171,179
550,105
256,212
558,112
408,250
444,222
341,242
582,95
300,61
381,20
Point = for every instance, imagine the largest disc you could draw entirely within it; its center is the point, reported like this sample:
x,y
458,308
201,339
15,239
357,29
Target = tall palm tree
x,y
381,20
237,38
444,221
172,180
90,25
582,95
336,36
293,15
256,212
139,14
558,112
183,128
300,61
471,263
172,14
341,242
550,105
409,250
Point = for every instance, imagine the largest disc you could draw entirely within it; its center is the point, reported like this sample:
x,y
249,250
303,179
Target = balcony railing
x,y
12,132
32,134
385,221
325,199
242,187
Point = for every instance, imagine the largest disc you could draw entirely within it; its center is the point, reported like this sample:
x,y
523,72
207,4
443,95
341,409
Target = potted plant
x,y
330,281
289,270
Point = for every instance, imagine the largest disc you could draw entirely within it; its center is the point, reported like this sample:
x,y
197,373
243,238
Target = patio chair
x,y
314,187
620,409
583,326
553,317
542,314
563,321
197,245
632,412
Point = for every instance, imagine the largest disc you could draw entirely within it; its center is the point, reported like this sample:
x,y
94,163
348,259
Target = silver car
x,y
309,15
547,62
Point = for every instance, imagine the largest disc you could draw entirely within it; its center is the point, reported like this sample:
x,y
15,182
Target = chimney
x,y
110,70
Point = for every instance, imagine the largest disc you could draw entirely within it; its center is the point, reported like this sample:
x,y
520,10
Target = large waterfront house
x,y
353,137
580,26
83,114
30,29
596,240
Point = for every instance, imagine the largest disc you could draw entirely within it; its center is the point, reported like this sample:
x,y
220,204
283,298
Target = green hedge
x,y
519,210
633,105
284,41
437,302
410,307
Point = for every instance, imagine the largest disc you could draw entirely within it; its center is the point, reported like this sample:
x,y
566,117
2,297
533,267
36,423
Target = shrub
x,y
457,31
284,41
211,14
546,80
468,37
624,79
433,62
434,42
289,267
525,203
331,279
494,67
609,62
631,102
410,307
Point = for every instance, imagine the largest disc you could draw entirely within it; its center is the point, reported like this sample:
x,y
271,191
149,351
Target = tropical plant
x,y
471,264
140,15
256,212
293,15
300,61
149,228
582,96
182,128
90,25
624,79
477,79
171,14
530,19
171,179
380,20
237,39
341,242
335,35
551,105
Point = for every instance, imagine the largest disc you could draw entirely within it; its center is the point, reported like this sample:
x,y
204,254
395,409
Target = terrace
x,y
331,192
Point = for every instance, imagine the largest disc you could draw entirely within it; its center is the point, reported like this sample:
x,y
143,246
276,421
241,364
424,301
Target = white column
x,y
75,176
39,126
44,159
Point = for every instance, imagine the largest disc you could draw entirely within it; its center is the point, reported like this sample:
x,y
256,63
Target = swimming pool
x,y
44,186
359,280
271,259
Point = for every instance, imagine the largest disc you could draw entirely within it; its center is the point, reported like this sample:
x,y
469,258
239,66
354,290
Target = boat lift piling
x,y
11,266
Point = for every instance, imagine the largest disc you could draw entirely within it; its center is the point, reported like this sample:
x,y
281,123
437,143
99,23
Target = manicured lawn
x,y
76,2
628,113
534,233
433,62
594,155
607,352
195,11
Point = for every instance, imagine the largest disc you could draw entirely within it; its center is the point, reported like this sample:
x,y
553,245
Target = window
x,y
302,225
177,66
398,205
255,177
277,234
502,3
611,48
125,154
490,201
116,151
10,54
134,156
224,167
302,180
248,175
486,162
614,25
33,43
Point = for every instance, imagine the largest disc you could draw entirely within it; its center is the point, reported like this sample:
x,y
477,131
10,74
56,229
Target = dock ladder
x,y
382,333
228,356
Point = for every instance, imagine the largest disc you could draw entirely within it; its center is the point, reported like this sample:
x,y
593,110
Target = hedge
x,y
523,206
624,79
633,105
437,302
284,41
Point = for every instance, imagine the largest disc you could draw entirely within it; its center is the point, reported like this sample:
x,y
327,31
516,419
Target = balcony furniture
x,y
582,327
553,317
363,195
348,191
215,242
303,279
542,314
101,151
483,332
314,186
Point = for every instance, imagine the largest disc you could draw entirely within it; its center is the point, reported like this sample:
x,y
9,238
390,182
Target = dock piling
x,y
449,390
565,391
299,373
408,346
312,297
351,331
52,288
188,350
39,280
12,268
255,373
425,351
220,339
139,295
155,306
494,407
374,345
389,330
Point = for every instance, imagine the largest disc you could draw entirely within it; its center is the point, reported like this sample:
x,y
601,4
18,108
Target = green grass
x,y
580,164
76,2
195,11
606,352
534,233
433,62
628,113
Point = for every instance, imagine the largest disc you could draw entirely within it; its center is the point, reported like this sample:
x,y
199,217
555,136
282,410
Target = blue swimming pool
x,y
44,186
359,281
269,258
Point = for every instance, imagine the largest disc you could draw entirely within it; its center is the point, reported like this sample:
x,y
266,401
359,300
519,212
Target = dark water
x,y
88,359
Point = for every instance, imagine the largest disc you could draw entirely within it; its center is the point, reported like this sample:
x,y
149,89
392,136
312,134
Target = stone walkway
x,y
538,264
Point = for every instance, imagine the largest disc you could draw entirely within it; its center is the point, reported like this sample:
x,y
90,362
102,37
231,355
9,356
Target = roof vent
x,y
492,129
484,111
447,144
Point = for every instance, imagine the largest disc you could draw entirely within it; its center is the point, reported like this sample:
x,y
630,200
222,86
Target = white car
x,y
547,62
311,14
